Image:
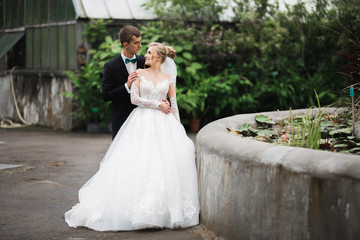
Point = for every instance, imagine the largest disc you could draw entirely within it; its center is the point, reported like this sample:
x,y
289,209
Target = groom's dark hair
x,y
127,32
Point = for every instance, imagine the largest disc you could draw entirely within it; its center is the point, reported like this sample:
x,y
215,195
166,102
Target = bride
x,y
147,178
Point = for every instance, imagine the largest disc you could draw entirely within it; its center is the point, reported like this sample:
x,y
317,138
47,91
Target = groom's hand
x,y
132,77
165,106
166,102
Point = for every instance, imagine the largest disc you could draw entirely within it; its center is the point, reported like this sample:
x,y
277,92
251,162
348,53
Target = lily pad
x,y
298,131
266,132
249,132
340,145
355,149
245,126
326,123
345,151
263,119
341,130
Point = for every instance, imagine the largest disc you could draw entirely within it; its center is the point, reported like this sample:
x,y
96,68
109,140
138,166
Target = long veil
x,y
169,67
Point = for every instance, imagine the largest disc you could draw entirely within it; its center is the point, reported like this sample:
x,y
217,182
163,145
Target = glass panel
x,y
1,15
72,51
44,48
37,47
37,12
71,11
54,55
29,47
62,12
54,10
138,10
29,12
96,9
21,20
2,60
44,11
62,47
68,11
8,41
15,5
14,12
118,9
10,13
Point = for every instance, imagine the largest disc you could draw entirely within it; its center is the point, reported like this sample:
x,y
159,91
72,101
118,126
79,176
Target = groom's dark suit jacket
x,y
113,89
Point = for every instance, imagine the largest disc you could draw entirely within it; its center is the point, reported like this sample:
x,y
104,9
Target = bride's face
x,y
151,56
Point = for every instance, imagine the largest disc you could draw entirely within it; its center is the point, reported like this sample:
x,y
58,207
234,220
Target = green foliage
x,y
95,31
263,119
181,39
264,60
348,30
191,87
208,10
316,129
89,106
88,83
228,93
87,95
307,131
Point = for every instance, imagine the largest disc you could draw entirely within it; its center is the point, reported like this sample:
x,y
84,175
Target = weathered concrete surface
x,y
6,99
55,164
40,99
255,190
357,130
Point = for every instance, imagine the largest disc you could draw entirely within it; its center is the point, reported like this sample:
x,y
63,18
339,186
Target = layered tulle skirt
x,y
147,179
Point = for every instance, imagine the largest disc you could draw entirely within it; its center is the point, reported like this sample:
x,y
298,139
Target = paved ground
x,y
55,164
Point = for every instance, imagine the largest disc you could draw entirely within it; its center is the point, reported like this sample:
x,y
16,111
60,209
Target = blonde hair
x,y
163,51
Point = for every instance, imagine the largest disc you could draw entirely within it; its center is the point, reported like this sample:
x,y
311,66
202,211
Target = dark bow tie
x,y
127,60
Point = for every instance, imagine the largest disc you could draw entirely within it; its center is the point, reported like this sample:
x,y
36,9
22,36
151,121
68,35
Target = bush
x,y
90,107
263,60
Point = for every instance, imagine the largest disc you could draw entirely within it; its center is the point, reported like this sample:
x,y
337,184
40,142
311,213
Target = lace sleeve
x,y
173,102
139,101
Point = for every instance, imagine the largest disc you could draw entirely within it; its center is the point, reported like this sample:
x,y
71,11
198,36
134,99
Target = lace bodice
x,y
156,92
150,95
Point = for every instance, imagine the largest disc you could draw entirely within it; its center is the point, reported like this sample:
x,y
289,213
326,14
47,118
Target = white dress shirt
x,y
131,67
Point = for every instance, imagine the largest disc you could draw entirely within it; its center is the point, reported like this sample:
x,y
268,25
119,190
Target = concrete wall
x,y
39,97
255,190
6,99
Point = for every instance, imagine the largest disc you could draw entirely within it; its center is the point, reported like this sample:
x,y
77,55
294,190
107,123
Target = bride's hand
x,y
164,108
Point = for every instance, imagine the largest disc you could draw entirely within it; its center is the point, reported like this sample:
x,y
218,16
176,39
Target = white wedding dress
x,y
147,178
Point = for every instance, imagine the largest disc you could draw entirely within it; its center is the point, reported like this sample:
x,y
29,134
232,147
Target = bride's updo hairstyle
x,y
163,51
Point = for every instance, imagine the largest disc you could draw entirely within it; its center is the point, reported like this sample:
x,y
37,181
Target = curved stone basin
x,y
255,190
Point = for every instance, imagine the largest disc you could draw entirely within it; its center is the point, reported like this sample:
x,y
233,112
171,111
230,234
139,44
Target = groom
x,y
119,73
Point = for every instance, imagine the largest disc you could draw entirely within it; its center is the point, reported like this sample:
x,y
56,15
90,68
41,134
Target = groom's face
x,y
134,46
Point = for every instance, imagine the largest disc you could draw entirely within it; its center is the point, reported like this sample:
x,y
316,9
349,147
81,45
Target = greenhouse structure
x,y
39,40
